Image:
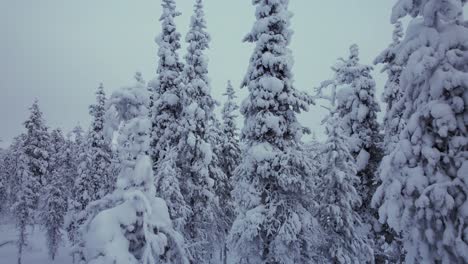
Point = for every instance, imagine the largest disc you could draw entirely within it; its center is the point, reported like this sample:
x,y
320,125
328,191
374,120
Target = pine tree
x,y
423,194
392,93
3,182
131,225
26,198
11,163
94,162
229,157
55,206
339,201
168,188
230,154
387,243
99,148
202,230
222,184
357,108
353,95
167,109
273,180
35,147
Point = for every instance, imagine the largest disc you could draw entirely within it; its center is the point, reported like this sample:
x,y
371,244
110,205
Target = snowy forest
x,y
166,174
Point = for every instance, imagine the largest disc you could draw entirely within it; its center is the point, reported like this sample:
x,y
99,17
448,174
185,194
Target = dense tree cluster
x,y
158,178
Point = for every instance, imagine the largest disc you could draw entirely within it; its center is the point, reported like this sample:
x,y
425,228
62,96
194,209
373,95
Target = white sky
x,y
60,50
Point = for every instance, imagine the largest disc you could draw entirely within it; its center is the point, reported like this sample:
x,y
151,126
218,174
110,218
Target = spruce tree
x,y
3,182
388,244
36,148
166,109
230,153
423,194
99,148
94,163
11,164
229,157
131,225
55,204
202,230
392,95
357,108
273,180
339,201
26,197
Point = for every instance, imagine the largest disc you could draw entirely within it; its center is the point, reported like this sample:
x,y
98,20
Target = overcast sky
x,y
60,50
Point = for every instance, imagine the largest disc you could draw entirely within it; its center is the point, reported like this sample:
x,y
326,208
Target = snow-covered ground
x,y
35,252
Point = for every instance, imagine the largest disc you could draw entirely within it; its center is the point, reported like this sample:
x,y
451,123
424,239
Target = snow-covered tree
x,y
168,188
70,156
3,181
202,230
131,225
222,185
227,151
94,166
357,108
388,244
230,153
338,201
55,200
10,168
392,93
36,148
99,149
166,108
424,191
353,95
26,198
273,180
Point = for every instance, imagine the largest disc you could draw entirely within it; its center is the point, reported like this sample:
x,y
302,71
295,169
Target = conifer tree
x,y
36,148
229,157
353,95
26,198
230,153
131,225
273,180
55,205
3,182
99,148
392,95
357,108
166,109
201,230
11,164
339,201
423,194
94,163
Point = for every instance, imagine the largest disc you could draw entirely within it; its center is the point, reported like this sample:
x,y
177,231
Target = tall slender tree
x,y
99,148
424,191
392,95
31,170
36,147
94,179
167,107
273,180
55,204
339,201
195,151
229,158
131,225
26,197
230,153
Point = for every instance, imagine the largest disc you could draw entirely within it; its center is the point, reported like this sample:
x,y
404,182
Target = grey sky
x,y
60,50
